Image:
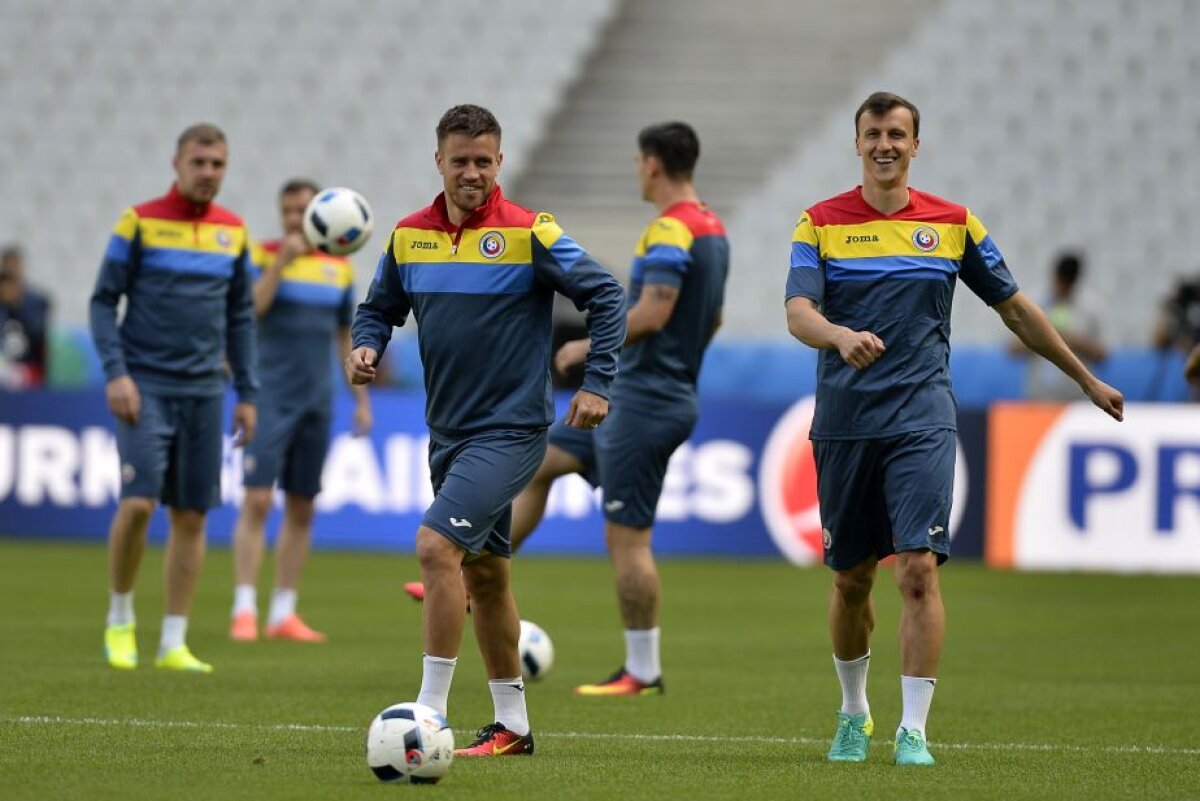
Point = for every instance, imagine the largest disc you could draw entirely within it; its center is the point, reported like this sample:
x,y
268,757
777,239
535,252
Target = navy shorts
x,y
288,447
884,496
627,456
173,452
475,477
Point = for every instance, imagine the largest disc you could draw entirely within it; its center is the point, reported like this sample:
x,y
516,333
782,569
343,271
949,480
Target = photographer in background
x,y
1178,328
24,326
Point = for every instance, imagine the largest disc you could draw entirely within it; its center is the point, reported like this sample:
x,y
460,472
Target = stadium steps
x,y
751,83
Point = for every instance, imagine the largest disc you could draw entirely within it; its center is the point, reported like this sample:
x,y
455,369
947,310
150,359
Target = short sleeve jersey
x,y
314,301
893,275
685,248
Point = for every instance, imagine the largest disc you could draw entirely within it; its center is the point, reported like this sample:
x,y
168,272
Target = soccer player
x,y
479,273
677,289
182,264
304,300
871,280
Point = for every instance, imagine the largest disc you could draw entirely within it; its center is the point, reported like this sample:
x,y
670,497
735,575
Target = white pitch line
x,y
582,735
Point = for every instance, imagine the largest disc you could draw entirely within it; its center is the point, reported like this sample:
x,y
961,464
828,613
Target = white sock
x,y
436,675
120,608
508,697
245,599
918,695
283,606
852,674
641,654
174,632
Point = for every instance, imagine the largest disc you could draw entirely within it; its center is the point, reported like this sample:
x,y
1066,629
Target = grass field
x,y
1054,686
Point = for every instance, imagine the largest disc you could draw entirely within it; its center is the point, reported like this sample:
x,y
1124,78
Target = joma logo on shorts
x,y
854,240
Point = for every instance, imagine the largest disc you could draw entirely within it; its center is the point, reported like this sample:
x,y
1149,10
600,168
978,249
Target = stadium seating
x,y
1052,122
94,92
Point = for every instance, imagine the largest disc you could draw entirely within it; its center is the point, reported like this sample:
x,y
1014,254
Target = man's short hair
x,y
294,185
1068,267
203,132
11,253
469,120
880,103
675,144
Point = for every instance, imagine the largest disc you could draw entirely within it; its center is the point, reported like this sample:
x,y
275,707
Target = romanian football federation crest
x,y
491,245
925,239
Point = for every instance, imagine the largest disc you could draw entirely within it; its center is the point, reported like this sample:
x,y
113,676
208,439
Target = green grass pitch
x,y
1053,686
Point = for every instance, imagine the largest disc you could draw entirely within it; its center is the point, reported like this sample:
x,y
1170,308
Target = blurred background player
x,y
871,281
182,264
304,301
24,326
1075,322
677,290
479,274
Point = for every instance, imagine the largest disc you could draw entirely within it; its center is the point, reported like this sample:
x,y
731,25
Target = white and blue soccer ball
x,y
409,743
338,221
536,649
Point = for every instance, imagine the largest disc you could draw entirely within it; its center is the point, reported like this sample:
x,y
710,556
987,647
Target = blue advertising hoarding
x,y
743,486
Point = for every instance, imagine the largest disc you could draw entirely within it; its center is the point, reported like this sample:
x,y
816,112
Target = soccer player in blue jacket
x,y
182,264
479,273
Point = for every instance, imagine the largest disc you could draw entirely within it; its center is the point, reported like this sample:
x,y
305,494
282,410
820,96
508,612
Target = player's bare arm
x,y
587,410
245,421
859,349
570,354
651,313
1025,319
360,365
124,400
267,286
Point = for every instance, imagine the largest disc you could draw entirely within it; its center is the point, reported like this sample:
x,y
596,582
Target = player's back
x,y
685,247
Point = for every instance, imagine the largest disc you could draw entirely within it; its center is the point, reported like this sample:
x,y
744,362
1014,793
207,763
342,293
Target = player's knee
x,y
299,510
486,578
257,504
138,509
916,576
854,585
436,554
187,523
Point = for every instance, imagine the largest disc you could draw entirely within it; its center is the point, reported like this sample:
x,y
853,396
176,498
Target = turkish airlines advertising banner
x,y
744,485
1071,489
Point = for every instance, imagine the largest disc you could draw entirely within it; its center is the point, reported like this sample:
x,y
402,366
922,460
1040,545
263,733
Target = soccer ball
x,y
338,221
409,743
537,652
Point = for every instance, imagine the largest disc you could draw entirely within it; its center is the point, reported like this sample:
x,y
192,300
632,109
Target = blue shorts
x,y
289,447
475,477
627,457
884,496
173,452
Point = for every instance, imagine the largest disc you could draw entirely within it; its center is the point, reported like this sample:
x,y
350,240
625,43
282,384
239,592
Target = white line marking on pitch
x,y
583,735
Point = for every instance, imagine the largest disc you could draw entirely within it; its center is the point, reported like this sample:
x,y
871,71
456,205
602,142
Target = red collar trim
x,y
437,210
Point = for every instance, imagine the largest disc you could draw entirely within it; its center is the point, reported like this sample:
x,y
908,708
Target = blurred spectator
x,y
1079,326
1178,328
1179,321
24,326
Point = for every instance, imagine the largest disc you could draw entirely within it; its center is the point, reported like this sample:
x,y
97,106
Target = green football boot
x,y
852,738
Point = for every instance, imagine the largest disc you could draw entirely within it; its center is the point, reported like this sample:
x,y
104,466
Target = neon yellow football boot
x,y
120,646
180,658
